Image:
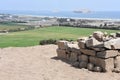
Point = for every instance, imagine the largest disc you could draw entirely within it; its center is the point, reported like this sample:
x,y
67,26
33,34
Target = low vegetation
x,y
33,37
14,27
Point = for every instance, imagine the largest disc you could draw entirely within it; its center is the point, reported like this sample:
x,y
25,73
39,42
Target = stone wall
x,y
99,52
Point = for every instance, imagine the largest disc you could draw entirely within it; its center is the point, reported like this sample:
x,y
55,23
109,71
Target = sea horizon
x,y
103,15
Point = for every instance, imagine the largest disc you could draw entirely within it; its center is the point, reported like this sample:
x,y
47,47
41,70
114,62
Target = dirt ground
x,y
41,63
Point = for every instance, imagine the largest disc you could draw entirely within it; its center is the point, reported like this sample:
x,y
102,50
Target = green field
x,y
11,26
33,37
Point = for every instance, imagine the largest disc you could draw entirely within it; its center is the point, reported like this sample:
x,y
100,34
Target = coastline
x,y
95,15
110,19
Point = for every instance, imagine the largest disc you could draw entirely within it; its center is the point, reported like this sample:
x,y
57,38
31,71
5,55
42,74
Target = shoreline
x,y
108,19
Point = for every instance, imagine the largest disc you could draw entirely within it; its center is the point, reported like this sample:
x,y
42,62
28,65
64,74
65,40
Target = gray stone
x,y
112,44
83,58
88,52
82,39
83,64
112,35
117,62
118,34
98,49
105,64
107,54
90,66
73,48
118,52
61,53
98,35
75,64
92,42
97,69
70,45
73,57
117,70
68,56
82,44
62,44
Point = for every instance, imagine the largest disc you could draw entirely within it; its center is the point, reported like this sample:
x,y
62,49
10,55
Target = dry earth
x,y
41,63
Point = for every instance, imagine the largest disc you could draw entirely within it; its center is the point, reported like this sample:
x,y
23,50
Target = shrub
x,y
52,41
49,41
70,40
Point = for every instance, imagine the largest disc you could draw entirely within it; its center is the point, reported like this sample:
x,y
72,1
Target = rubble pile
x,y
99,52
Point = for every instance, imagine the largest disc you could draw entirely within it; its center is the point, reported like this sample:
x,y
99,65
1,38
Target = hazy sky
x,y
94,5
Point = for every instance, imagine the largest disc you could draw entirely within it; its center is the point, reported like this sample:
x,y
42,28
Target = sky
x,y
62,5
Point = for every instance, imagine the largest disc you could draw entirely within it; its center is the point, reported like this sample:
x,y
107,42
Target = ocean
x,y
69,14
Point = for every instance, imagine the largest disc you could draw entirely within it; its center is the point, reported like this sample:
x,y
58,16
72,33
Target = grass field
x,y
33,37
10,26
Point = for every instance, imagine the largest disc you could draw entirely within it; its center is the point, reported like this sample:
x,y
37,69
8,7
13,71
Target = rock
x,y
112,44
83,64
97,69
98,35
75,64
61,53
117,62
105,64
83,58
112,35
98,49
82,39
117,70
74,48
107,38
90,66
73,57
107,54
88,52
92,42
118,52
118,34
82,44
68,56
105,34
62,44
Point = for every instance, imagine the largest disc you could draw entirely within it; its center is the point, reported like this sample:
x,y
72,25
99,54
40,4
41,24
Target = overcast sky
x,y
62,5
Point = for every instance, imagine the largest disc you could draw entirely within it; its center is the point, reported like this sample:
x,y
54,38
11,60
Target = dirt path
x,y
39,63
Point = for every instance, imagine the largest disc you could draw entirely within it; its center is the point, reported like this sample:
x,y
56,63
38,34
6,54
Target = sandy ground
x,y
41,63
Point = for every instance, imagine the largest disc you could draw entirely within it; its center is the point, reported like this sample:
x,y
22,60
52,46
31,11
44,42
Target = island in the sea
x,y
82,11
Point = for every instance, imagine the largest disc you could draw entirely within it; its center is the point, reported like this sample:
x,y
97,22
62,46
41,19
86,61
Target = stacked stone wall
x,y
99,52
